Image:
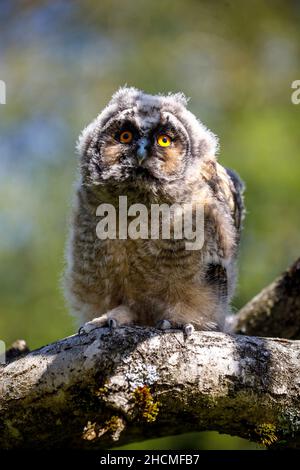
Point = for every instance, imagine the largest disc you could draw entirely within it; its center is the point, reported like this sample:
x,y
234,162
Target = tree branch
x,y
275,311
103,389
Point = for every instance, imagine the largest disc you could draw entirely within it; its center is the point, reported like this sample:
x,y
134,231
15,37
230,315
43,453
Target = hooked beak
x,y
143,145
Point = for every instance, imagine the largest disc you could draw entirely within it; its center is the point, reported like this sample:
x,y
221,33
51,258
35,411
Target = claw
x,y
81,331
188,329
112,323
98,322
85,329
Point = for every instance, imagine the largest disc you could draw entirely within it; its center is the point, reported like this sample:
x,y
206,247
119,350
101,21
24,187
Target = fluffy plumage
x,y
150,282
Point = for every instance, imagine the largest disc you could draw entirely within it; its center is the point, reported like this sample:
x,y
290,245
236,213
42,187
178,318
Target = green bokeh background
x,y
61,62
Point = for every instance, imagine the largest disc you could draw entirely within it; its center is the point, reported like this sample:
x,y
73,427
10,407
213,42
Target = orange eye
x,y
163,140
126,137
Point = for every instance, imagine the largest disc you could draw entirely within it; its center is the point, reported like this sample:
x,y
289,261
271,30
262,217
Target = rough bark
x,y
275,311
102,389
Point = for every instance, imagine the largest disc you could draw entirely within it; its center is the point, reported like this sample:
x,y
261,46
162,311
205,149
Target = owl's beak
x,y
143,146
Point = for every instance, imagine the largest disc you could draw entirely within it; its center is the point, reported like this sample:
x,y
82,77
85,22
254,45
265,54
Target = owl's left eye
x,y
164,140
126,137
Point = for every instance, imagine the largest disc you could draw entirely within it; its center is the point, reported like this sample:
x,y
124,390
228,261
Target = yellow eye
x,y
163,140
126,137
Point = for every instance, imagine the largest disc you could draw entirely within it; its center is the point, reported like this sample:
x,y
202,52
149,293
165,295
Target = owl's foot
x,y
98,322
188,328
113,319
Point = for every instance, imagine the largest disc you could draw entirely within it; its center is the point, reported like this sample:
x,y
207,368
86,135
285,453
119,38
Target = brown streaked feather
x,y
237,188
172,157
216,276
111,153
231,187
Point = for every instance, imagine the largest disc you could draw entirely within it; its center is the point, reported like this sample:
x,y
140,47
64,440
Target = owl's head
x,y
145,141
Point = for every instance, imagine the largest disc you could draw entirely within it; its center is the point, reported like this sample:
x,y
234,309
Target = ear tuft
x,y
125,96
179,98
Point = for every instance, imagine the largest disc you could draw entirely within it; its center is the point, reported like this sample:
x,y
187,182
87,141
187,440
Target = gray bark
x,y
101,389
275,311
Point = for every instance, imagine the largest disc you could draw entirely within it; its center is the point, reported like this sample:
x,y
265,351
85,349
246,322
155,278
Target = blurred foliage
x,y
196,441
61,62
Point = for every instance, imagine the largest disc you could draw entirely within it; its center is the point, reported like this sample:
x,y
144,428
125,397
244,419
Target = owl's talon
x,y
80,331
86,329
98,322
163,325
112,323
188,329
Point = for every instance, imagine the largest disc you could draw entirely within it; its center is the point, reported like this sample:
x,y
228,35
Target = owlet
x,y
153,152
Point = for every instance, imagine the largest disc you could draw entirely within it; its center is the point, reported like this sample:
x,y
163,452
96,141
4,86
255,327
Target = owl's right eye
x,y
126,137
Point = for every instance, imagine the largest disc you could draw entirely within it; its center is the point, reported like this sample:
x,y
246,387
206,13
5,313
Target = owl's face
x,y
143,140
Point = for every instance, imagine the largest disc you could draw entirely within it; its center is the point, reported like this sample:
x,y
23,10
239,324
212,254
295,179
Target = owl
x,y
153,150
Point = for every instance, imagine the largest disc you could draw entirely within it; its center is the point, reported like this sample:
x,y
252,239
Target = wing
x,y
227,188
232,188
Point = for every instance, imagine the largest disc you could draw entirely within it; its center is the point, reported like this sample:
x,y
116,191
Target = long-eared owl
x,y
152,150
